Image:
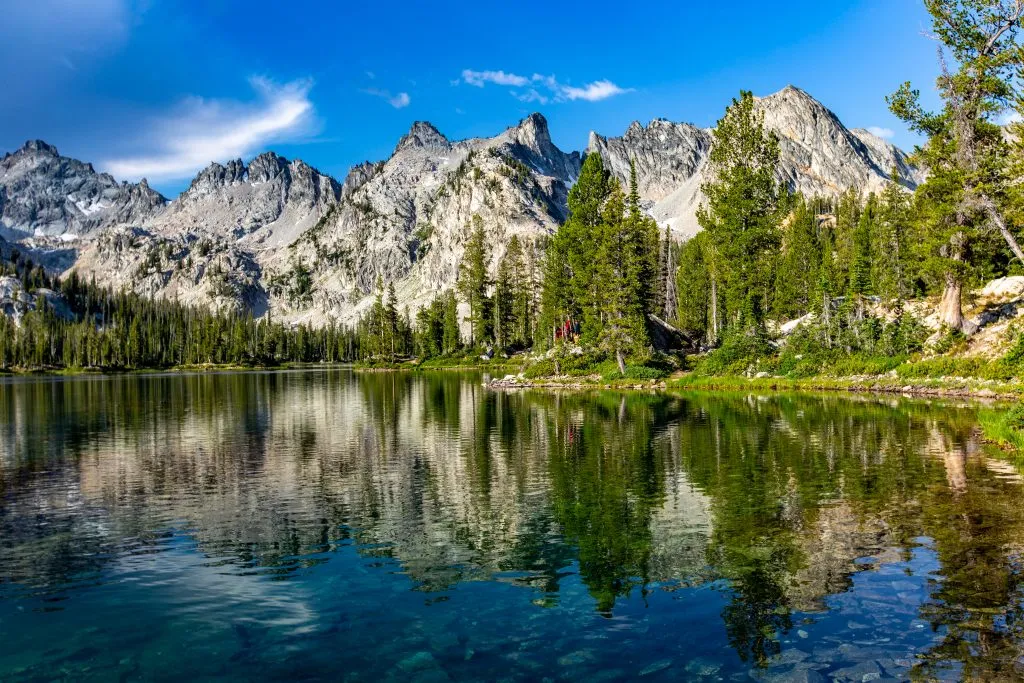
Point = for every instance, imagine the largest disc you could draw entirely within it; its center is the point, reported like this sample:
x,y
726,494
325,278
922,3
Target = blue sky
x,y
159,88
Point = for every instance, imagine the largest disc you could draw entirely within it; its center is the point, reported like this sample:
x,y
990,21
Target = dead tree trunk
x,y
951,306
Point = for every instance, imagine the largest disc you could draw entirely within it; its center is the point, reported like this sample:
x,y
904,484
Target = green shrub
x,y
639,372
949,341
540,368
951,366
737,352
1015,356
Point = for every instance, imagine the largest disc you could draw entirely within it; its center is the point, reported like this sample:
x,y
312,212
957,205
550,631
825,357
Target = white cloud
x,y
203,131
558,92
593,92
530,95
479,78
884,133
398,101
1009,117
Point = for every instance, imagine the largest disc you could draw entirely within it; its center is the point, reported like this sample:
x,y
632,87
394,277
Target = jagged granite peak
x,y
216,176
666,155
358,176
888,158
530,142
423,134
818,156
266,167
270,198
532,132
47,195
406,220
40,147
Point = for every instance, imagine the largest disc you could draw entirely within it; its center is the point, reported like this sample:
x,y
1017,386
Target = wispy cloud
x,y
204,130
531,95
593,92
884,133
398,101
556,91
479,78
1012,116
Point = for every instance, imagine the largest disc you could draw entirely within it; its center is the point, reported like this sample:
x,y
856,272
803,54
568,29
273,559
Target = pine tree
x,y
521,289
392,331
643,248
964,196
576,292
451,337
744,208
624,253
800,262
377,324
671,302
504,304
890,243
474,281
693,283
860,266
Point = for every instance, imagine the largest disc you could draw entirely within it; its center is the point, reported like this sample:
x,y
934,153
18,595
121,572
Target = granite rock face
x,y
818,156
45,194
276,235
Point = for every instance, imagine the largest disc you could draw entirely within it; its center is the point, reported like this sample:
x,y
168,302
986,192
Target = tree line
x,y
100,328
765,254
607,278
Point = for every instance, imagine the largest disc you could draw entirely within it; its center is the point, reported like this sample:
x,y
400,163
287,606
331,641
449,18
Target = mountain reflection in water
x,y
327,524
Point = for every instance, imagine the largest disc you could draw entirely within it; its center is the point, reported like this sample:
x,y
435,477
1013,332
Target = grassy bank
x,y
1004,427
460,361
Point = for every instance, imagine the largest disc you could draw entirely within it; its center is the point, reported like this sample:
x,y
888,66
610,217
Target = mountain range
x,y
279,236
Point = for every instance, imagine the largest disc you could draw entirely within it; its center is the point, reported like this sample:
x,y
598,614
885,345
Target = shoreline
x,y
195,369
945,387
957,387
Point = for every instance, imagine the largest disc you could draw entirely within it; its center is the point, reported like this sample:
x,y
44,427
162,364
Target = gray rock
x,y
819,155
43,194
419,661
859,673
655,667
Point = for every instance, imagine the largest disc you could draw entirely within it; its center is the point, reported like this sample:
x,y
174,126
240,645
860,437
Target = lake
x,y
332,525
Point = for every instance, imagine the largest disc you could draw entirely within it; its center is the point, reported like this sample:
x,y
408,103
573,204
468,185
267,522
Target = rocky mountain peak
x,y
266,167
530,142
423,134
45,194
216,176
533,132
39,147
818,156
358,176
666,155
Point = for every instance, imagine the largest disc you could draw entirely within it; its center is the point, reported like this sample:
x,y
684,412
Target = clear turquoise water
x,y
325,525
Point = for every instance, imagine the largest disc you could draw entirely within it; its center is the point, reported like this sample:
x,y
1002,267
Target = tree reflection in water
x,y
776,503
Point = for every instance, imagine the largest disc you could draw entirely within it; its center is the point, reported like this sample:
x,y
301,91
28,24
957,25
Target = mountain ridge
x,y
277,235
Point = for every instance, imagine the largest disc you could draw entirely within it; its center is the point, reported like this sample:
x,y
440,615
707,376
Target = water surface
x,y
325,525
